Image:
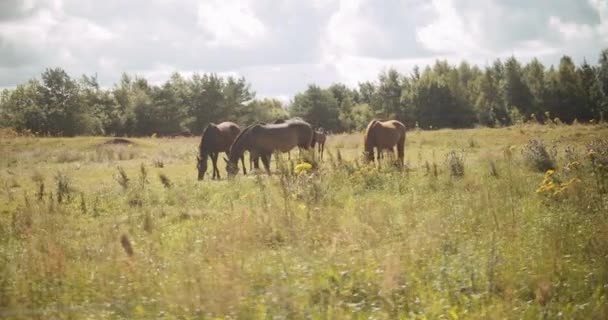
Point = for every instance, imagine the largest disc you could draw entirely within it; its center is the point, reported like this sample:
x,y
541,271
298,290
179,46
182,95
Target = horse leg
x,y
243,163
216,171
266,162
254,159
321,148
401,150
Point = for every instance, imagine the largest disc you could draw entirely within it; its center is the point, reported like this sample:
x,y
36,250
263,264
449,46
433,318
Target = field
x,y
476,227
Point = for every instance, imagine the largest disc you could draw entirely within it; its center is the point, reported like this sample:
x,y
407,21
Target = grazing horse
x,y
384,135
319,138
216,139
261,140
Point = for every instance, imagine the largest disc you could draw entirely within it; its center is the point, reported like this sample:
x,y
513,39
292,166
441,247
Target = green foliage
x,y
439,96
318,106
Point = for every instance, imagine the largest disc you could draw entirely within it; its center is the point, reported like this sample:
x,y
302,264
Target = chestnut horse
x,y
384,135
261,140
319,138
216,139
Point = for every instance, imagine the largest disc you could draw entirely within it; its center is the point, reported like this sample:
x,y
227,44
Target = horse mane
x,y
240,136
368,129
205,135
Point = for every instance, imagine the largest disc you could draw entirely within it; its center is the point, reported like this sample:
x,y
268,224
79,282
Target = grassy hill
x,y
477,226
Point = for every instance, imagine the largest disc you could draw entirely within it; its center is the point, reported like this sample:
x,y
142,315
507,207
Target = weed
x,y
143,176
64,187
126,245
83,204
39,181
536,156
122,178
597,152
158,163
493,169
166,182
455,163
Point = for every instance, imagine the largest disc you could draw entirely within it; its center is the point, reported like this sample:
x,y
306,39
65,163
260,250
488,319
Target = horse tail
x,y
367,140
401,147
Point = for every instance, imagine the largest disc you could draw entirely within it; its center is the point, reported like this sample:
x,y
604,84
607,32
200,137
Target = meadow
x,y
481,224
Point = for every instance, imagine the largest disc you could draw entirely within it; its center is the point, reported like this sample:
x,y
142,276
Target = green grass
x,y
345,241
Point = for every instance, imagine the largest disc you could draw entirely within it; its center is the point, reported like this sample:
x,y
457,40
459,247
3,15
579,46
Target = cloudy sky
x,y
280,46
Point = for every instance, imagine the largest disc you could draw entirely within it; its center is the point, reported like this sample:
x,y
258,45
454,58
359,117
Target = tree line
x,y
439,96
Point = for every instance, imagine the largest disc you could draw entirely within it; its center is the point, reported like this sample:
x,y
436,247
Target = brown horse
x,y
384,135
261,140
319,138
216,139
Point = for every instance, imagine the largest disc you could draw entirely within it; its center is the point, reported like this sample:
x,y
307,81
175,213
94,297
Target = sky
x,y
281,46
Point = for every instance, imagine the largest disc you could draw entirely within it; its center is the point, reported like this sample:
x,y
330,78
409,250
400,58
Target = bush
x,y
455,162
537,157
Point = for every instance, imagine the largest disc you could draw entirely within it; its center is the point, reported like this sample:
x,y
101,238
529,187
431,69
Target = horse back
x,y
282,137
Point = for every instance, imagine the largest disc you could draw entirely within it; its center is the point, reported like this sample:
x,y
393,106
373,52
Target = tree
x,y
262,110
435,105
592,91
388,96
516,92
58,96
534,76
236,92
207,100
568,101
489,106
98,102
602,76
317,106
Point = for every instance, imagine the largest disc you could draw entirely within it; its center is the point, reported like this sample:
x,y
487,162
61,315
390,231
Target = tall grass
x,y
340,239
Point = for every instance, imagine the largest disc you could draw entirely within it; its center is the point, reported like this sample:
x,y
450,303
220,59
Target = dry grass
x,y
343,240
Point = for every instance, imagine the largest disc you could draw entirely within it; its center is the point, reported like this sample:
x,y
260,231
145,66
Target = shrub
x,y
455,162
537,157
64,186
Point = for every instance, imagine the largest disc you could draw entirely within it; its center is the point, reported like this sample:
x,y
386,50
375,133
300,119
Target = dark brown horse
x,y
261,140
319,138
384,135
216,139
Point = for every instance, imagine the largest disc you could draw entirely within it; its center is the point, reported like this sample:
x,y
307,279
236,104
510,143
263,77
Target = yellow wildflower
x,y
303,168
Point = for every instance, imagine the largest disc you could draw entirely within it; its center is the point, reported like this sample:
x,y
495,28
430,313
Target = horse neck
x,y
238,147
203,154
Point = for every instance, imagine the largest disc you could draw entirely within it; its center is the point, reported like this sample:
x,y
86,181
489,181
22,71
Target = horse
x,y
215,139
319,138
384,135
255,162
261,140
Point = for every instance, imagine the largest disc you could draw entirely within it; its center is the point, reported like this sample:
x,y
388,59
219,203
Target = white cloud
x,y
281,46
450,32
570,30
349,31
230,23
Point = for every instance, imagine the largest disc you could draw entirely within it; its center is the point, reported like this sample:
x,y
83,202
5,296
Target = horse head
x,y
201,165
232,168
